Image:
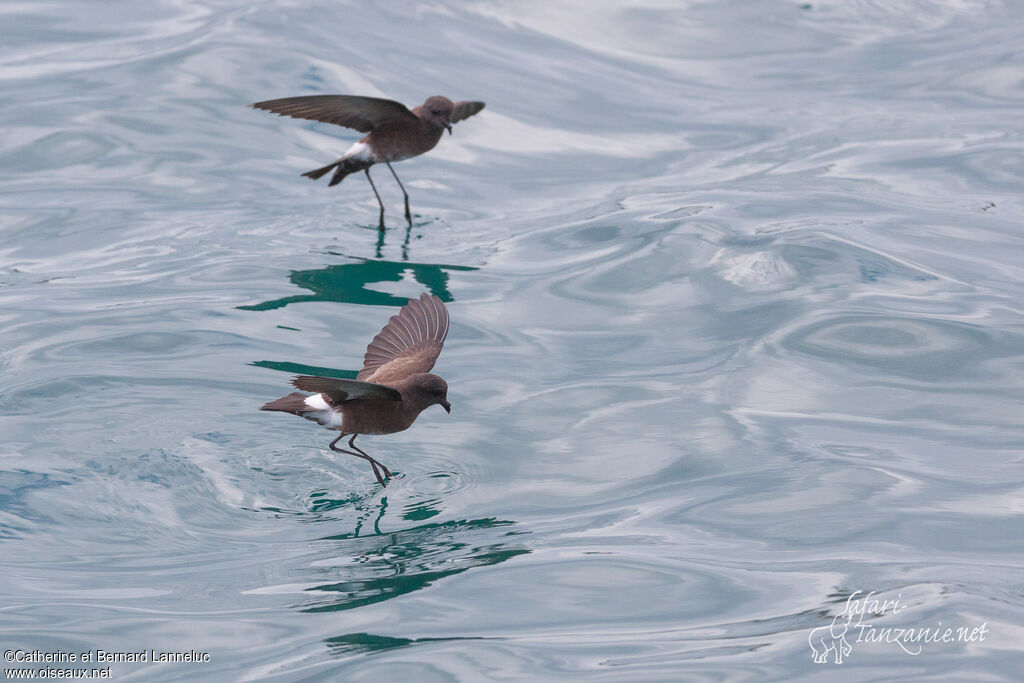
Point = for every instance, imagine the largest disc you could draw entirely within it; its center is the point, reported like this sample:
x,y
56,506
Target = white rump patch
x,y
328,418
317,402
359,150
320,411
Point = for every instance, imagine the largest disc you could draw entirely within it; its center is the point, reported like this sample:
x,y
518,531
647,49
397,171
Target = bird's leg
x,y
387,472
364,456
405,243
408,214
377,194
380,243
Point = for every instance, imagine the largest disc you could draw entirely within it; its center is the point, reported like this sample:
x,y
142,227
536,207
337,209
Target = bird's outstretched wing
x,y
352,111
340,390
465,109
409,343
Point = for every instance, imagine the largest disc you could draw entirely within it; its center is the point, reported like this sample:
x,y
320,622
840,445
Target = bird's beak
x,y
447,406
448,126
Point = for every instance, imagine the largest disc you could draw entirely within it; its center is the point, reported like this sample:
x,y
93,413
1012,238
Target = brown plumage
x,y
395,132
392,389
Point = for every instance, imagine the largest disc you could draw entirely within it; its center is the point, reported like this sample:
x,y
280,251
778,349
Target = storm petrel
x,y
392,389
395,132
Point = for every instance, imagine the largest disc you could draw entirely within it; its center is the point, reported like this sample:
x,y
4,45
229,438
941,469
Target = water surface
x,y
736,333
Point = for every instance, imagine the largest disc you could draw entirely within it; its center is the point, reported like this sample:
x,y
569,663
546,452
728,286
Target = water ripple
x,y
736,332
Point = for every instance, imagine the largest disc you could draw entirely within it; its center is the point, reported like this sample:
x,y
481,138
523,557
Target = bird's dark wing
x,y
360,113
465,109
409,343
339,390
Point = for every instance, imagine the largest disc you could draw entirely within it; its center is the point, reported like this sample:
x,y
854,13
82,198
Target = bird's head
x,y
427,389
438,111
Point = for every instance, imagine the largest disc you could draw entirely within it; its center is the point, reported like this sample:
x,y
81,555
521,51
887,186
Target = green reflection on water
x,y
397,563
348,283
300,369
359,643
419,511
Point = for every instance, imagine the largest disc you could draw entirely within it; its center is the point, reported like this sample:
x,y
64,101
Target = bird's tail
x,y
344,165
294,403
339,175
317,173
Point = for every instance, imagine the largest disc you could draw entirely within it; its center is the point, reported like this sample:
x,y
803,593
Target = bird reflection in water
x,y
350,283
385,565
